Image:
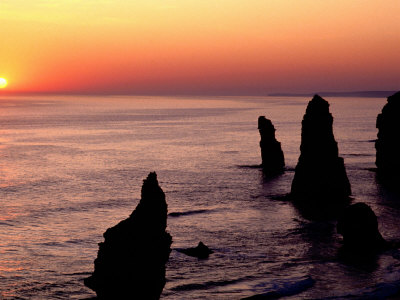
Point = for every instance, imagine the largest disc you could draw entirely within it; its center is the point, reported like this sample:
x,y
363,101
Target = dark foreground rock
x,y
388,143
273,161
131,261
359,227
320,175
201,251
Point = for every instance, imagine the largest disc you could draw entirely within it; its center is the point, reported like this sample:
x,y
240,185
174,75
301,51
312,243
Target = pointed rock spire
x,y
273,161
320,172
131,261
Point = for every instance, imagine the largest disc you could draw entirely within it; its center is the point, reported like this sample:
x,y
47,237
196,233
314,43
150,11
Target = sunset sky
x,y
221,47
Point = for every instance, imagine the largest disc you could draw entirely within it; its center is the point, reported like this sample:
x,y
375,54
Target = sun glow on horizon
x,y
3,83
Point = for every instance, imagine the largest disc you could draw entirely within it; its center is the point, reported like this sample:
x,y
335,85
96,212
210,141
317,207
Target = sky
x,y
210,47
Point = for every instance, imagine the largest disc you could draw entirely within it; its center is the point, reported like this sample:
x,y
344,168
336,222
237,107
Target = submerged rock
x,y
201,251
131,261
388,143
359,228
320,173
273,161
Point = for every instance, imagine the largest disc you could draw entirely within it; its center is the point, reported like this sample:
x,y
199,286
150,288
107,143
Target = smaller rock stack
x,y
320,173
201,251
273,161
131,261
359,227
388,143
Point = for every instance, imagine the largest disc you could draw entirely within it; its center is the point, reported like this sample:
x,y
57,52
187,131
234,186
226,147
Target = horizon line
x,y
355,93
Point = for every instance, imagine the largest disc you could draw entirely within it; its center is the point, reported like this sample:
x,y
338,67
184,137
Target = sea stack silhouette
x,y
131,261
273,161
320,175
388,143
359,227
201,251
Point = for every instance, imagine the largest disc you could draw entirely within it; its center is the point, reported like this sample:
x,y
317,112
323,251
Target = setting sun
x,y
3,83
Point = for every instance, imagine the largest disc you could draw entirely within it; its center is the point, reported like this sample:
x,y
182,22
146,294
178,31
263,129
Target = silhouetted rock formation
x,y
388,143
273,161
201,251
320,173
131,261
359,227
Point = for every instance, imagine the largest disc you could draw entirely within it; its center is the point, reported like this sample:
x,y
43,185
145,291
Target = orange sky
x,y
199,47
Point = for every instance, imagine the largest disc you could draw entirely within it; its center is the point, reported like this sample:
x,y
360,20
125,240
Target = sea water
x,y
71,167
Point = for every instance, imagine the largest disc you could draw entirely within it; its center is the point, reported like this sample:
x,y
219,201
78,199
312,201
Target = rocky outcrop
x,y
273,161
359,228
131,261
388,143
201,251
320,173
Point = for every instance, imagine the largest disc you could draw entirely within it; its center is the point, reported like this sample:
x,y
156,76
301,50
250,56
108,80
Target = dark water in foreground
x,y
72,167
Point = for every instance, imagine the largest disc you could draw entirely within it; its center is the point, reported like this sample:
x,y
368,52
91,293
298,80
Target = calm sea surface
x,y
70,167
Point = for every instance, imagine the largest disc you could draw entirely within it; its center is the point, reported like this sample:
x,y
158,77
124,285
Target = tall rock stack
x,y
131,261
320,173
273,161
388,143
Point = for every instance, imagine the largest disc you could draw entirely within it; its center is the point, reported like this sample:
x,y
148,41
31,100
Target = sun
x,y
3,83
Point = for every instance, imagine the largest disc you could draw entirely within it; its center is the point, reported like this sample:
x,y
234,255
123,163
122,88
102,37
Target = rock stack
x,y
201,251
359,227
320,173
388,143
273,161
131,261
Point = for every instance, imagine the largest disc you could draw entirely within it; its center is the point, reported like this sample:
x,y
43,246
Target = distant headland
x,y
363,94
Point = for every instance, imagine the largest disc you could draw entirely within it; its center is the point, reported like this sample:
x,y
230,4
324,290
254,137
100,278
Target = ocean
x,y
72,166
